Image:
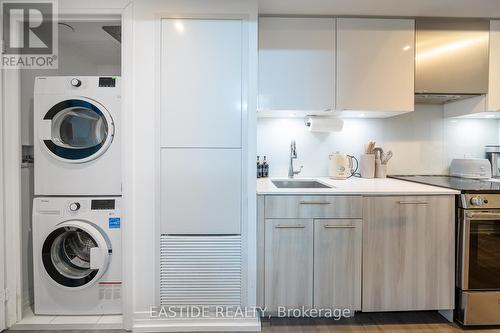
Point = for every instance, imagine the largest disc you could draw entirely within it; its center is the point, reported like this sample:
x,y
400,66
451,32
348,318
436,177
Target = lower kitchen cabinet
x,y
408,253
288,260
382,253
337,264
312,264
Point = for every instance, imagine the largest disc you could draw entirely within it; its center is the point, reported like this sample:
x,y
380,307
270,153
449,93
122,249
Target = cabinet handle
x,y
340,226
413,202
315,203
289,226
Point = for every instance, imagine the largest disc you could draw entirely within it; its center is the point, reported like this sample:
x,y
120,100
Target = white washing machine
x,y
77,256
77,135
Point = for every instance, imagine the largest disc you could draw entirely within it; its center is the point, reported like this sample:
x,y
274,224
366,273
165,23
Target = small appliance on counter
x,y
493,155
342,166
477,168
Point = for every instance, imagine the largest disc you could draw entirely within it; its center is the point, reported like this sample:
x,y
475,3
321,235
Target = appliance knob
x,y
476,201
74,206
76,82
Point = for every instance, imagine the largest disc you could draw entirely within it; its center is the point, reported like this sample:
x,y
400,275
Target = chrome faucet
x,y
293,155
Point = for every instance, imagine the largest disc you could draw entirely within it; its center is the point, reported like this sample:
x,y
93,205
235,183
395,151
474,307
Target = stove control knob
x,y
74,206
476,201
76,83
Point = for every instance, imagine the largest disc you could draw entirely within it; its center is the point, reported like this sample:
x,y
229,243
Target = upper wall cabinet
x,y
296,63
375,64
494,77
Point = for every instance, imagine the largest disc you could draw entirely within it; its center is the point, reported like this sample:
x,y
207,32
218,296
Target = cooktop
x,y
465,185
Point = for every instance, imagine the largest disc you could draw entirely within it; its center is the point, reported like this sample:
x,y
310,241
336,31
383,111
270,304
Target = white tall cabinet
x,y
296,63
202,115
202,100
375,64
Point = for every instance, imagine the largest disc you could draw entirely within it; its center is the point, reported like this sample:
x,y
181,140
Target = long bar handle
x,y
483,215
413,203
289,226
315,203
340,226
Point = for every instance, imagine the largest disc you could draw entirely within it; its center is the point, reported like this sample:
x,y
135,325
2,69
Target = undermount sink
x,y
298,184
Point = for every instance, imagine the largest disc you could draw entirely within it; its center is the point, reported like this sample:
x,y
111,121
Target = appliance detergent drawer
x,y
313,207
200,191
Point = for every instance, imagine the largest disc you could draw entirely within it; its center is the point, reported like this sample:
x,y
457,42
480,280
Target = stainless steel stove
x,y
478,259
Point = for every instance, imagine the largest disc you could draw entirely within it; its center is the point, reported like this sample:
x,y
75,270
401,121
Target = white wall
x,y
27,291
423,142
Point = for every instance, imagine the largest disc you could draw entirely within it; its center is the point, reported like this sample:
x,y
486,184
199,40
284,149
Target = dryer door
x,y
75,254
76,130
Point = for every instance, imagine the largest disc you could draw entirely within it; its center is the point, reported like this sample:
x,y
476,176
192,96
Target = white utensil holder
x,y
367,165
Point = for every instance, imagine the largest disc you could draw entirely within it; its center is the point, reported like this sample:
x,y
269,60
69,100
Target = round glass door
x,y
68,252
80,130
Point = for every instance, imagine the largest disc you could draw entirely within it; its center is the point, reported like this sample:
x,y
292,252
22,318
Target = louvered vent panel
x,y
200,270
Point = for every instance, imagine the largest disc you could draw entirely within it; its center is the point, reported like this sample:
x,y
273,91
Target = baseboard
x,y
197,325
447,314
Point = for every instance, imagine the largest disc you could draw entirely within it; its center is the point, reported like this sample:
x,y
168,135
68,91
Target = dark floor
x,y
371,322
425,322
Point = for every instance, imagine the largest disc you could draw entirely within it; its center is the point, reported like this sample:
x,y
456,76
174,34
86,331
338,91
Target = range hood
x,y
451,60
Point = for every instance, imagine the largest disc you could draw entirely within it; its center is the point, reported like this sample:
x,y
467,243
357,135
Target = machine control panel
x,y
472,201
102,204
476,201
107,82
74,206
76,83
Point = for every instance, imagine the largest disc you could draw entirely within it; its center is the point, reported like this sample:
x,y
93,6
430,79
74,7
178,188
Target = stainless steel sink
x,y
298,184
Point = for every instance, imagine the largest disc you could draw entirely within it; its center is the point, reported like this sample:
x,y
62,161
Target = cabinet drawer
x,y
313,207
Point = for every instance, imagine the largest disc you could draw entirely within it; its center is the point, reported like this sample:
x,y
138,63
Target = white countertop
x,y
355,186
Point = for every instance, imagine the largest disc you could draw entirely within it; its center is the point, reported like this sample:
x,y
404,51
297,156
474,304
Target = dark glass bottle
x,y
259,167
265,168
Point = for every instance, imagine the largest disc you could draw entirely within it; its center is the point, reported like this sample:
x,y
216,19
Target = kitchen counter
x,y
355,186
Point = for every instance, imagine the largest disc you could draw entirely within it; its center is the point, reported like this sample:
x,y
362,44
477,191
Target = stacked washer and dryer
x,y
76,210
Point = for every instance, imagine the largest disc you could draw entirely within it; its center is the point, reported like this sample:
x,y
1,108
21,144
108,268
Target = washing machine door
x,y
77,130
75,254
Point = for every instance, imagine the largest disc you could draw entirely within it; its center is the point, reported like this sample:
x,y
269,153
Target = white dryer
x,y
77,256
77,135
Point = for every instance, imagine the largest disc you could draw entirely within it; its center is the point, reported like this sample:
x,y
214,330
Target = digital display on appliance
x,y
102,204
107,82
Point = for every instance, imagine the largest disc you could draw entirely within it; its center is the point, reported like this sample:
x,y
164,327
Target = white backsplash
x,y
423,142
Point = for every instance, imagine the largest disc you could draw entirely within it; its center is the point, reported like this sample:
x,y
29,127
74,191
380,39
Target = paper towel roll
x,y
325,124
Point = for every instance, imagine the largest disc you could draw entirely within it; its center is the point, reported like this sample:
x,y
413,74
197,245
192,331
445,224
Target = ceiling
x,y
90,41
412,8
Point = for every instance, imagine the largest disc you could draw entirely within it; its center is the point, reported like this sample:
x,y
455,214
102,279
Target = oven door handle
x,y
482,216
